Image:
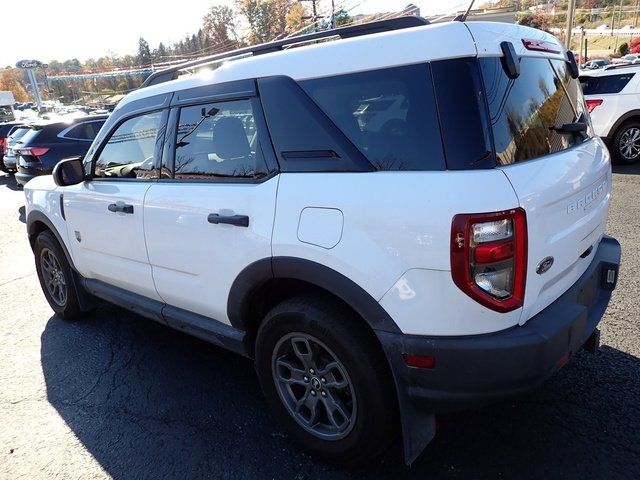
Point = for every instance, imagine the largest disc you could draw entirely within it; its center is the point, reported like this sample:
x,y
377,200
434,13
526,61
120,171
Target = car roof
x,y
367,52
614,69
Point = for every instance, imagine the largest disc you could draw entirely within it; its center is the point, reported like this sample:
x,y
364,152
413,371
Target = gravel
x,y
115,395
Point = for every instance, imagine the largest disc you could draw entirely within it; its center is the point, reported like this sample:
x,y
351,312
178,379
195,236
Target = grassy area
x,y
598,43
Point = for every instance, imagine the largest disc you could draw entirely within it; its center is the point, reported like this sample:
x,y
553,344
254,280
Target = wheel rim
x,y
53,277
630,143
314,386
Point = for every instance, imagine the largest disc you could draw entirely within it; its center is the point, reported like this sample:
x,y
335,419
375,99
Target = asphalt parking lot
x,y
115,395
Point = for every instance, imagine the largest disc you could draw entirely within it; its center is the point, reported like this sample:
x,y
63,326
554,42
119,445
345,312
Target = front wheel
x,y
56,279
326,379
626,143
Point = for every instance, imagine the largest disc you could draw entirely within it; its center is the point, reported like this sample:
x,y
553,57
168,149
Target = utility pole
x,y
635,22
571,10
618,32
333,14
314,17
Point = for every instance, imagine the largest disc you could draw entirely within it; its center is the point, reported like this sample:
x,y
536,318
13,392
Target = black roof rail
x,y
398,23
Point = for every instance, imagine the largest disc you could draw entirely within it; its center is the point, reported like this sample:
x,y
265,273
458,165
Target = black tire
x,y
3,168
621,151
371,399
54,270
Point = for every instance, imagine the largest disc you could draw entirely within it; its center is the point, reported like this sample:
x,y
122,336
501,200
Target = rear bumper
x,y
24,174
473,370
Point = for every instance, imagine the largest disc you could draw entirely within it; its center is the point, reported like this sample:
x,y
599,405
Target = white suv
x,y
378,274
613,99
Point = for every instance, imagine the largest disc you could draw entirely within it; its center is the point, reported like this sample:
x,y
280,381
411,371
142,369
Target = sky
x,y
64,29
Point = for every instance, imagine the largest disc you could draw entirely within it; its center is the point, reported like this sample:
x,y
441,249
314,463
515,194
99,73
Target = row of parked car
x,y
34,148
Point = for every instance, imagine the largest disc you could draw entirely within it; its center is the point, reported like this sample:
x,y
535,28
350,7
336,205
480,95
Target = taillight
x,y
540,45
33,151
489,257
591,104
3,145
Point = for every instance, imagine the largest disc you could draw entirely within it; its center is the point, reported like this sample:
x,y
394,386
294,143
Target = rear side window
x,y
606,84
390,115
85,131
526,112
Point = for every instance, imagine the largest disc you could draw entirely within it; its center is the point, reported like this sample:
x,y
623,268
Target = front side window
x,y
390,115
218,141
129,152
527,113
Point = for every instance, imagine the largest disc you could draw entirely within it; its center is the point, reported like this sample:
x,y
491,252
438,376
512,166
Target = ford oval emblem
x,y
544,265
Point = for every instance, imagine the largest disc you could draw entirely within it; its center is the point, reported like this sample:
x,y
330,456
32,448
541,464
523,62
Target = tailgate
x,y
566,198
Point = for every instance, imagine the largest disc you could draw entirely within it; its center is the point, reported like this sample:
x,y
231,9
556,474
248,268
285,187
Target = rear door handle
x,y
120,208
237,220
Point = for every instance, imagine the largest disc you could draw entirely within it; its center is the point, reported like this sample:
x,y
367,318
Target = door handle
x,y
237,220
122,208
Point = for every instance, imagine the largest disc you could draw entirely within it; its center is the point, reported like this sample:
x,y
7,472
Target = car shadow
x,y
627,169
22,211
149,402
9,181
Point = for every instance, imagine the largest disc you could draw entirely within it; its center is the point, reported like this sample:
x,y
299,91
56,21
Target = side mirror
x,y
69,172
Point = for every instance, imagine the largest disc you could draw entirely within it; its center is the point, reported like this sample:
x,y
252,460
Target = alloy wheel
x,y
314,386
53,277
630,143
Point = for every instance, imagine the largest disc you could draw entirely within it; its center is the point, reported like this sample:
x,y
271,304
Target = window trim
x,y
157,150
264,141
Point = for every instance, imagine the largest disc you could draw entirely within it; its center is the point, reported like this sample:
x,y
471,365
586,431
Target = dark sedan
x,y
48,143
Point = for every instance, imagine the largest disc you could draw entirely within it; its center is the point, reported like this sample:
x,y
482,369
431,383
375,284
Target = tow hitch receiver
x,y
593,342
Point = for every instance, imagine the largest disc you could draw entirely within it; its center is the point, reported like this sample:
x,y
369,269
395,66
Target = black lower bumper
x,y
23,175
474,370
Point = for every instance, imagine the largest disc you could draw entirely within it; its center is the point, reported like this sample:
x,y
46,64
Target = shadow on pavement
x,y
149,402
9,181
22,212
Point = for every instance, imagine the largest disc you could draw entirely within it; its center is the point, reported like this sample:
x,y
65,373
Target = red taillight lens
x,y
33,151
540,46
489,257
591,104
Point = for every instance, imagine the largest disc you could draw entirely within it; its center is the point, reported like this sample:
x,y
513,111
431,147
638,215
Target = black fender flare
x,y
260,272
36,216
620,121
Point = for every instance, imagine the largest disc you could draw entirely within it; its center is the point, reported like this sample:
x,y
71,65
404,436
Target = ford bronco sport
x,y
378,272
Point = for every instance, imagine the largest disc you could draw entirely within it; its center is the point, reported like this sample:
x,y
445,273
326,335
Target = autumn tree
x,y
10,80
267,19
219,28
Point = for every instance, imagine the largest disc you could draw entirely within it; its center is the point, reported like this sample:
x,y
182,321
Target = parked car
x,y
631,58
596,64
5,129
13,141
612,97
46,143
373,275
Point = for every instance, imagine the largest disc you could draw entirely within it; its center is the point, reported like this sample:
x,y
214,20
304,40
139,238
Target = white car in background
x,y
612,96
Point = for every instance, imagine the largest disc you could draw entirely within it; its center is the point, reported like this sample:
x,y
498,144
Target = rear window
x,y
606,84
390,115
18,133
526,112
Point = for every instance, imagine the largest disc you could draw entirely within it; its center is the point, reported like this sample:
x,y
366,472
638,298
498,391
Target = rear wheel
x,y
326,379
56,279
626,143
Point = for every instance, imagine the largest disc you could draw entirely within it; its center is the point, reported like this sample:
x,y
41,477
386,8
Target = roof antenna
x,y
463,17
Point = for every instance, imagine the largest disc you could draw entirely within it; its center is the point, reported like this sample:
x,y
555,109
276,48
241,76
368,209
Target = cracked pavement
x,y
117,396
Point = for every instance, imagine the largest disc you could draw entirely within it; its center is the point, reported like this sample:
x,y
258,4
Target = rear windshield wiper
x,y
571,128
